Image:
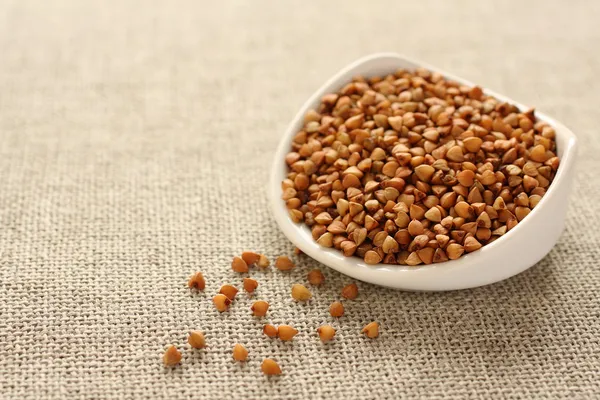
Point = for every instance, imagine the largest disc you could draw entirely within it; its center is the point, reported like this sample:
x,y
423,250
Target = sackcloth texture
x,y
136,139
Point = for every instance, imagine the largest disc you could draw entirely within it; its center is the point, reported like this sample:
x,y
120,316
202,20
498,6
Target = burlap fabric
x,y
135,144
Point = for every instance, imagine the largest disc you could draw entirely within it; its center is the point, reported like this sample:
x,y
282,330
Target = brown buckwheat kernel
x,y
270,331
300,292
326,333
283,263
196,340
371,330
197,281
221,302
286,332
316,277
171,357
250,285
250,257
240,353
229,291
336,309
270,367
239,265
259,308
263,261
350,291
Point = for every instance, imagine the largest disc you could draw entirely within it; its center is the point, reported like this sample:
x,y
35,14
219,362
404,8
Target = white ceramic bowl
x,y
514,252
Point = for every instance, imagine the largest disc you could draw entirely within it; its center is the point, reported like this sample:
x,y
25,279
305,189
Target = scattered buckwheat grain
x,y
197,281
316,277
263,261
250,285
171,357
350,291
283,263
221,302
300,292
286,332
229,291
196,340
270,367
336,309
250,257
239,265
240,353
270,330
371,330
326,333
259,308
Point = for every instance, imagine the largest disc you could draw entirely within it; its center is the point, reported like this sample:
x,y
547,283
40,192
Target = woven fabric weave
x,y
136,139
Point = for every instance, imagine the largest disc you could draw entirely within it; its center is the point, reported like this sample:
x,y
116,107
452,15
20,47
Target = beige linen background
x,y
136,139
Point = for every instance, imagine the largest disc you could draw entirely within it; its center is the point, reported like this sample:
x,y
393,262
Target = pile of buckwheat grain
x,y
412,168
